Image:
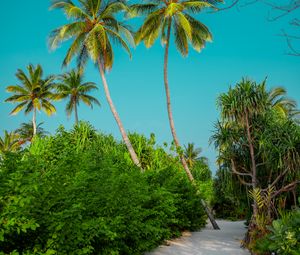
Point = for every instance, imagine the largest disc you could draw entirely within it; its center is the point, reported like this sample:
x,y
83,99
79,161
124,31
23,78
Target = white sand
x,y
226,241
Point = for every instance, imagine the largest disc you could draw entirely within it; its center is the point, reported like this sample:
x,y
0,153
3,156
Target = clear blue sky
x,y
245,44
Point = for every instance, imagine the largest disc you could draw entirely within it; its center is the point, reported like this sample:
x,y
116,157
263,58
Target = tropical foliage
x,y
89,199
93,27
33,93
230,200
72,87
260,145
284,235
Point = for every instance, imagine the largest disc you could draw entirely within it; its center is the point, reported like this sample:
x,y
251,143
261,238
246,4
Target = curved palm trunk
x,y
173,131
34,121
117,118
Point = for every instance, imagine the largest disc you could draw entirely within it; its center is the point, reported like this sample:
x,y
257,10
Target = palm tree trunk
x,y
172,126
117,118
76,113
170,114
34,121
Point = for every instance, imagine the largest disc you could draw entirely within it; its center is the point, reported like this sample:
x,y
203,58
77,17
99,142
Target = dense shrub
x,y
230,197
78,193
284,236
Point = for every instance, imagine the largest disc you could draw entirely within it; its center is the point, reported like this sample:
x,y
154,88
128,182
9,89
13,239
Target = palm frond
x,y
18,108
181,39
89,100
74,48
142,9
185,24
48,107
196,6
70,9
118,39
113,8
95,41
152,22
65,32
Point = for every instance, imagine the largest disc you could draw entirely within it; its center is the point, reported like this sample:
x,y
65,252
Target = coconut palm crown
x,y
172,15
92,28
71,86
33,93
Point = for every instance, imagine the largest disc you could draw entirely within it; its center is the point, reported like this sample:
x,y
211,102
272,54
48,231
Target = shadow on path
x,y
226,241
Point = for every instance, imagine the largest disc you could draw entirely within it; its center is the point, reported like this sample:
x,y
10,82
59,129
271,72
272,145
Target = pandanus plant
x,y
92,28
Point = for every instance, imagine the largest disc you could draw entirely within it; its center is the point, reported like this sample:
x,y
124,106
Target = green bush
x,y
77,193
230,197
284,236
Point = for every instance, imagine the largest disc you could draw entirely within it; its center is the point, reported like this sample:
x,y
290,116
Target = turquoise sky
x,y
245,44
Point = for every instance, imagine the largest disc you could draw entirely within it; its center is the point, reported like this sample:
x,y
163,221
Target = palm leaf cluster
x,y
164,16
33,92
71,86
9,143
93,29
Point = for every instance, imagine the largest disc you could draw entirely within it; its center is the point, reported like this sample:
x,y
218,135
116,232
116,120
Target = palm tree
x,y
25,132
92,28
191,155
9,143
164,17
282,104
33,93
71,86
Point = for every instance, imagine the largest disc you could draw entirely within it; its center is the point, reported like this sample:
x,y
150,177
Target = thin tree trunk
x,y
34,121
76,113
172,126
170,114
117,118
253,163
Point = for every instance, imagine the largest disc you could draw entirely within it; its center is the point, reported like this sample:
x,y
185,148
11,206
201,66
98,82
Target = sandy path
x,y
208,241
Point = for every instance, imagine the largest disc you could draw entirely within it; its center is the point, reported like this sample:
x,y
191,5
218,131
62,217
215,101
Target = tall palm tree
x,y
164,17
71,86
34,93
92,28
9,143
191,154
25,132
